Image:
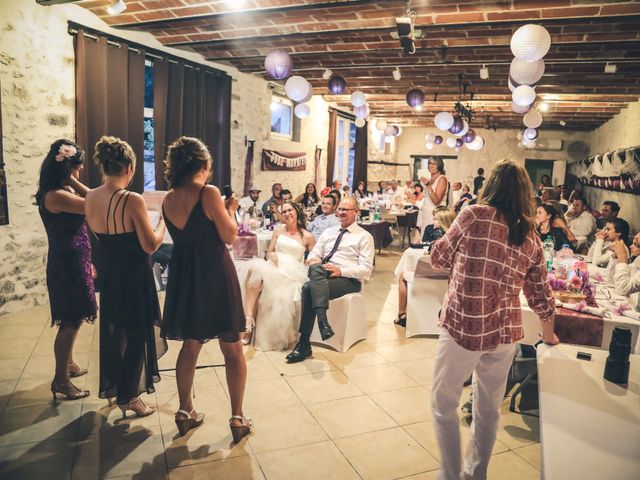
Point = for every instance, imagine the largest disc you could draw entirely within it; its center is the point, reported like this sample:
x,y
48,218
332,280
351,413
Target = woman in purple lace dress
x,y
71,295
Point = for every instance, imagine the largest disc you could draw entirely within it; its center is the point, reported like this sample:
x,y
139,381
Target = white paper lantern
x,y
530,134
529,143
388,139
429,146
302,110
444,121
533,119
520,145
524,95
465,129
389,131
360,122
297,88
530,42
458,149
381,124
358,99
451,142
526,73
430,137
519,109
477,144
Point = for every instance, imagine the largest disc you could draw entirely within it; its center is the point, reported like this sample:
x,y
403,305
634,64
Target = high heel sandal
x,y
138,407
241,431
69,390
401,320
186,424
78,372
250,325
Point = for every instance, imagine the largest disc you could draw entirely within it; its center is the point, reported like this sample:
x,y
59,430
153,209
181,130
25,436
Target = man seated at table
x,y
270,206
326,219
251,201
609,211
340,261
581,223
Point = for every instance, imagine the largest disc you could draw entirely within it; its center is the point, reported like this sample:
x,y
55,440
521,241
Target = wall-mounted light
x,y
327,74
396,74
116,7
610,68
484,73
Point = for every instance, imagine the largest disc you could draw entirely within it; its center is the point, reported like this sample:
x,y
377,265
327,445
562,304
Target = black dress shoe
x,y
300,352
326,332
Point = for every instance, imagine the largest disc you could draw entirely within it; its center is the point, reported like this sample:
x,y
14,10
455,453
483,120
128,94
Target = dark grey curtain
x,y
362,151
195,102
109,100
331,146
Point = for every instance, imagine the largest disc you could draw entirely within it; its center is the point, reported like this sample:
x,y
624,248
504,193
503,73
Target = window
x,y
345,151
149,158
281,117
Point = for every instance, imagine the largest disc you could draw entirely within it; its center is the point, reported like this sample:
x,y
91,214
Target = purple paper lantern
x,y
278,64
396,130
438,140
415,98
457,126
337,84
470,136
459,142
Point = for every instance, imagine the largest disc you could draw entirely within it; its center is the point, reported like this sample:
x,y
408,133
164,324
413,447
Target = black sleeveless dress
x,y
130,342
203,299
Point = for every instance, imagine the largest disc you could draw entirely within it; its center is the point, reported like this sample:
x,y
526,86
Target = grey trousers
x,y
317,292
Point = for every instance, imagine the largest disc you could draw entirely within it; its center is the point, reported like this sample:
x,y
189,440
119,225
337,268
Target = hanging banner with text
x,y
274,160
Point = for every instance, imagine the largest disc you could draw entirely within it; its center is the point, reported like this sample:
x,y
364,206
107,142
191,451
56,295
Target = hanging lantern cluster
x,y
279,65
529,44
389,131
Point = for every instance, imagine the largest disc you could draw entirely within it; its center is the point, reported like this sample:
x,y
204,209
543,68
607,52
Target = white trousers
x,y
453,366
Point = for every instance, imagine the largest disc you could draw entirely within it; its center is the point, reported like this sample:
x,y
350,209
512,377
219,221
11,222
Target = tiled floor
x,y
363,414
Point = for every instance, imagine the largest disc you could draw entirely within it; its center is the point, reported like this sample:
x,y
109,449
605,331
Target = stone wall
x,y
38,99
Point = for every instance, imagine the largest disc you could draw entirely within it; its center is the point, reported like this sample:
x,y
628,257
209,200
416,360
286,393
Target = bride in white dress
x,y
272,288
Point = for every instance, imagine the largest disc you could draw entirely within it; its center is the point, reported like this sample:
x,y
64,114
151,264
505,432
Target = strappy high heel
x,y
241,431
401,320
69,390
138,407
248,329
77,372
186,424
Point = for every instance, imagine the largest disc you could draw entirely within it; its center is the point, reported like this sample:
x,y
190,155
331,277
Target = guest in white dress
x,y
600,254
435,193
273,306
627,275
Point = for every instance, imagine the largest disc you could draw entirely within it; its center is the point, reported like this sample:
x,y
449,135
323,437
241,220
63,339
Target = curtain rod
x,y
73,29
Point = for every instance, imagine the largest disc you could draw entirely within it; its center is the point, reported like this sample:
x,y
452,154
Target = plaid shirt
x,y
481,309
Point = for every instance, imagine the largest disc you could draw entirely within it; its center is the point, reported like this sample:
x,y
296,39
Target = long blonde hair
x,y
445,217
509,190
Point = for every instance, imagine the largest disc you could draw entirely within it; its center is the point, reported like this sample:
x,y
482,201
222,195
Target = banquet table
x,y
589,427
380,231
409,260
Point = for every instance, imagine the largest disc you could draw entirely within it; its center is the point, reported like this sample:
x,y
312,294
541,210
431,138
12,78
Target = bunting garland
x,y
274,160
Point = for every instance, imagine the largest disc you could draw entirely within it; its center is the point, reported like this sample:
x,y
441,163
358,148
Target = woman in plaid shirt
x,y
493,252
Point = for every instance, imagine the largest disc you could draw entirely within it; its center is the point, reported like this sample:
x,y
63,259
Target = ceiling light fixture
x,y
563,123
484,72
544,106
327,74
610,68
116,7
396,74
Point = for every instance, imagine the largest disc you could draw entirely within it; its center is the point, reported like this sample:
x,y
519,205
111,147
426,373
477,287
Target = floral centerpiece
x,y
573,288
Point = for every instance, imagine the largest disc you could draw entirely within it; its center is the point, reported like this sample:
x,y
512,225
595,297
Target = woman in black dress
x,y
546,219
130,344
71,295
203,299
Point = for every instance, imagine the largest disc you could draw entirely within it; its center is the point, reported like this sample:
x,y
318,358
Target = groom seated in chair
x,y
341,260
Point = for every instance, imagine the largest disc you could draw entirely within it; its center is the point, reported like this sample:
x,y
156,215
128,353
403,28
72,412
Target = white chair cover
x,y
348,319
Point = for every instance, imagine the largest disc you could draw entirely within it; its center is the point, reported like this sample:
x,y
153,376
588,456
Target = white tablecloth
x,y
409,260
589,427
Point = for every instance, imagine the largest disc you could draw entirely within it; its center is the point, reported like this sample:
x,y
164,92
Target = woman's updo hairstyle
x,y
186,157
114,155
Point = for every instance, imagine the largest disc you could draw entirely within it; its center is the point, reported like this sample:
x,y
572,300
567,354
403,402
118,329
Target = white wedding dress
x,y
278,317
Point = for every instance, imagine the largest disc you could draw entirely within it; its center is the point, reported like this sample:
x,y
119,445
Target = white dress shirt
x,y
246,202
355,252
321,223
583,226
